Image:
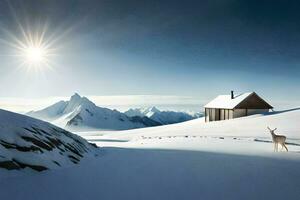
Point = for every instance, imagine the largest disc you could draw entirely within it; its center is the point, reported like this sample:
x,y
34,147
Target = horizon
x,y
194,49
120,103
125,102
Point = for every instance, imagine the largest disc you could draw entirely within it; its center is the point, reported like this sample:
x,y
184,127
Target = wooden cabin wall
x,y
214,114
239,113
257,111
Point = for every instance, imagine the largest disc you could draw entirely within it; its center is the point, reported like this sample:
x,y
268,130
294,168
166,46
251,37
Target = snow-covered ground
x,y
231,159
286,122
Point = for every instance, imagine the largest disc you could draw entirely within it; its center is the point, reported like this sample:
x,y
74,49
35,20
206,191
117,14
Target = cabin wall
x,y
230,114
239,113
246,112
226,114
253,102
209,114
257,111
213,114
222,114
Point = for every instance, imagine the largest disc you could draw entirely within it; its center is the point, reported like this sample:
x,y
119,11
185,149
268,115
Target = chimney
x,y
232,95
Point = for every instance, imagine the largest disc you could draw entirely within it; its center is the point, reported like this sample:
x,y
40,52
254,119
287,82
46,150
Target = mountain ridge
x,y
79,113
163,117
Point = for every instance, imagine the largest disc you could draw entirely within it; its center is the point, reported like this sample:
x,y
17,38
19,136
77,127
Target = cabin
x,y
225,107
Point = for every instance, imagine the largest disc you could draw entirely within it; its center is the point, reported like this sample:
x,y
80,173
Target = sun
x,y
32,48
35,54
34,45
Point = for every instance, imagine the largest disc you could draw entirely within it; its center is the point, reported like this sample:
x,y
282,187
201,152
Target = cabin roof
x,y
225,101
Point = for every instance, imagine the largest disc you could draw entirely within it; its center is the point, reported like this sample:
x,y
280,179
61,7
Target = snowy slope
x,y
79,113
286,122
50,112
30,143
163,117
192,160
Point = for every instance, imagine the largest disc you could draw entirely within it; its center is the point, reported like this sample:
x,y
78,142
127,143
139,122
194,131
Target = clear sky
x,y
195,49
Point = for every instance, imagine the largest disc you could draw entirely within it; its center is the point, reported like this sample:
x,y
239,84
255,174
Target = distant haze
x,y
123,103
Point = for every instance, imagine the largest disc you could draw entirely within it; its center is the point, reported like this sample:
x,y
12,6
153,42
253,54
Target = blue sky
x,y
195,49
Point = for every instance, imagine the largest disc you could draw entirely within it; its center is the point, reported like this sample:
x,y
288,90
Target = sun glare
x,y
35,54
34,51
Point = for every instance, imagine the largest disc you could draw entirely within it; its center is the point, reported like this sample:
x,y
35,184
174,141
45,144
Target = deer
x,y
278,139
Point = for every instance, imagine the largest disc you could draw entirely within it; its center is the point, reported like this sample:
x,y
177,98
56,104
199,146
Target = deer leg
x,y
285,147
276,147
281,147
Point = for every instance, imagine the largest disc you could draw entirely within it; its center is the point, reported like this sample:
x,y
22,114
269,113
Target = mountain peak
x,y
76,102
75,97
150,111
154,109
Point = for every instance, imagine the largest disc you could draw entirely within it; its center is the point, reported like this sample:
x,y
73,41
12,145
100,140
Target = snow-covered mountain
x,y
79,113
30,143
163,117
